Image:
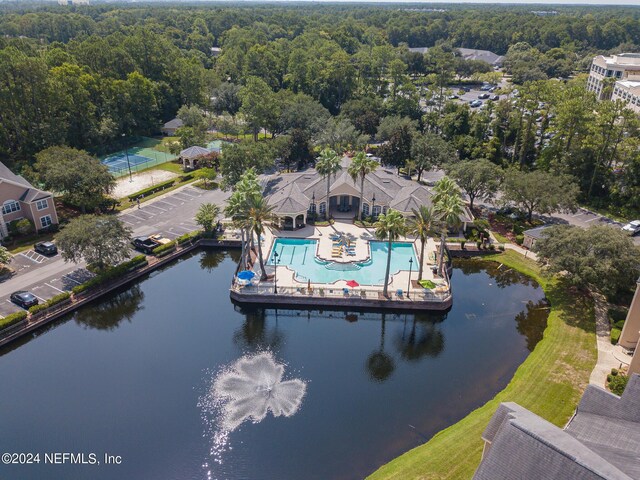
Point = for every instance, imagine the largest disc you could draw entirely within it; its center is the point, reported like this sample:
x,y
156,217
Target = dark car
x,y
495,98
24,299
46,248
512,213
483,96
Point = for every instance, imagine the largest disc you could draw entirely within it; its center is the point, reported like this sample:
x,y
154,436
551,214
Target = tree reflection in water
x,y
532,322
211,259
380,364
255,334
502,275
109,313
423,339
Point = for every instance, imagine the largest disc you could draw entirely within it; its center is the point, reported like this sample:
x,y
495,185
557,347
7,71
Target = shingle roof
x,y
389,189
194,152
175,123
537,232
31,193
602,441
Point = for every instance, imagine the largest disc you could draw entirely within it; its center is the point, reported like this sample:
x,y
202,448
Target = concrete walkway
x,y
609,355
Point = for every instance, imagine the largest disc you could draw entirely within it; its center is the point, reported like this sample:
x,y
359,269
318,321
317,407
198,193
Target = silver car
x,y
632,228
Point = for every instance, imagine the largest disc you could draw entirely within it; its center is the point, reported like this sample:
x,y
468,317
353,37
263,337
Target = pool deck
x,y
338,293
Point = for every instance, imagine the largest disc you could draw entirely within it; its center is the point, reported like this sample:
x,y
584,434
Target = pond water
x,y
172,377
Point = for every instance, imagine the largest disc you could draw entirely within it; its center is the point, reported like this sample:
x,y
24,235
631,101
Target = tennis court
x,y
136,158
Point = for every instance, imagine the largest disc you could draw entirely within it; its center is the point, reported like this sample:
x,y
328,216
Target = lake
x,y
132,376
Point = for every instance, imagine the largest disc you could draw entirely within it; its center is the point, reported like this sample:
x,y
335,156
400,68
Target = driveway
x,y
170,215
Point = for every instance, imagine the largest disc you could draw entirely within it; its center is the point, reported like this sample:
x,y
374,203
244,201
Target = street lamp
x,y
126,152
409,284
275,274
373,207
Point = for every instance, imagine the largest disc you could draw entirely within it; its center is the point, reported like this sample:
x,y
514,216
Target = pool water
x,y
300,255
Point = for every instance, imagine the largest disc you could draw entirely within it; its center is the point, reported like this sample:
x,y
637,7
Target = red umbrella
x,y
353,284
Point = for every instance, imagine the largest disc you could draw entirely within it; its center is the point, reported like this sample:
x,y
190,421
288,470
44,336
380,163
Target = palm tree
x,y
207,215
328,165
256,215
389,227
360,167
444,188
449,209
236,206
421,226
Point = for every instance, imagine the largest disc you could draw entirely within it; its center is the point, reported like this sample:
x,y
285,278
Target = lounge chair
x,y
399,293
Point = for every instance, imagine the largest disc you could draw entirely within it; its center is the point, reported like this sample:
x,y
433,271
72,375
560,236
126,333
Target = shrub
x,y
50,303
519,239
492,246
191,236
617,383
151,190
615,335
12,319
501,247
24,226
614,371
111,273
165,249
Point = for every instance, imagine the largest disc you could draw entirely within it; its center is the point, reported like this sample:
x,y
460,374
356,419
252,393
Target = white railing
x,y
421,295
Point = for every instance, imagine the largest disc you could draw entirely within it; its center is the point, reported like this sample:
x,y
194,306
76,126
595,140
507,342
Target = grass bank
x,y
550,383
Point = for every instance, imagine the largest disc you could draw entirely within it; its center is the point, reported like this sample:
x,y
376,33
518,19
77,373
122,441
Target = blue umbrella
x,y
246,275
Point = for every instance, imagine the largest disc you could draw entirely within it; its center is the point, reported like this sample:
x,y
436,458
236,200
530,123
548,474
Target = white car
x,y
632,228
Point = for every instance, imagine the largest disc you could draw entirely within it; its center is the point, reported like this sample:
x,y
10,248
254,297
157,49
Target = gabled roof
x,y
30,194
175,123
537,232
194,152
290,199
602,440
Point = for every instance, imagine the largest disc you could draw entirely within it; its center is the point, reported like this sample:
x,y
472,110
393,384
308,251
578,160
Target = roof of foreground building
x,y
602,440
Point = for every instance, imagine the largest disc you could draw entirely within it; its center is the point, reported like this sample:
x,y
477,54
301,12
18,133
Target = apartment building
x,y
19,199
624,72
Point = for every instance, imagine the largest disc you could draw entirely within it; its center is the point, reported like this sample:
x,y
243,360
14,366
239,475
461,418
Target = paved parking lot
x,y
171,215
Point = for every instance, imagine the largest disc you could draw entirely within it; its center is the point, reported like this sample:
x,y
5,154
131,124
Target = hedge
x,y
12,319
111,273
191,236
151,190
50,303
165,249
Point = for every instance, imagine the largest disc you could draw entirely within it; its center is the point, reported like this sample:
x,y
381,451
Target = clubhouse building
x,y
297,197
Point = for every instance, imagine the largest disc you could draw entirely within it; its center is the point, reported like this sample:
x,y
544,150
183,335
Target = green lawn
x,y
500,238
550,383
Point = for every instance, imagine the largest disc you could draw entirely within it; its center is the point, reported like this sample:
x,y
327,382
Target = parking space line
x,y
185,193
72,279
591,219
155,206
127,221
39,298
181,228
141,219
164,200
577,214
55,288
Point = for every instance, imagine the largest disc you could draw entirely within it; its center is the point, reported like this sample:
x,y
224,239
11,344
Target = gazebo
x,y
191,154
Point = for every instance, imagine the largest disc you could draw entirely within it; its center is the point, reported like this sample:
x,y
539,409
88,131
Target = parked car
x,y
24,299
495,98
453,97
632,228
46,248
485,88
512,213
484,96
466,89
475,103
147,244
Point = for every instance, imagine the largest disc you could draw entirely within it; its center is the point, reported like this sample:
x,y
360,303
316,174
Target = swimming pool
x,y
300,255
